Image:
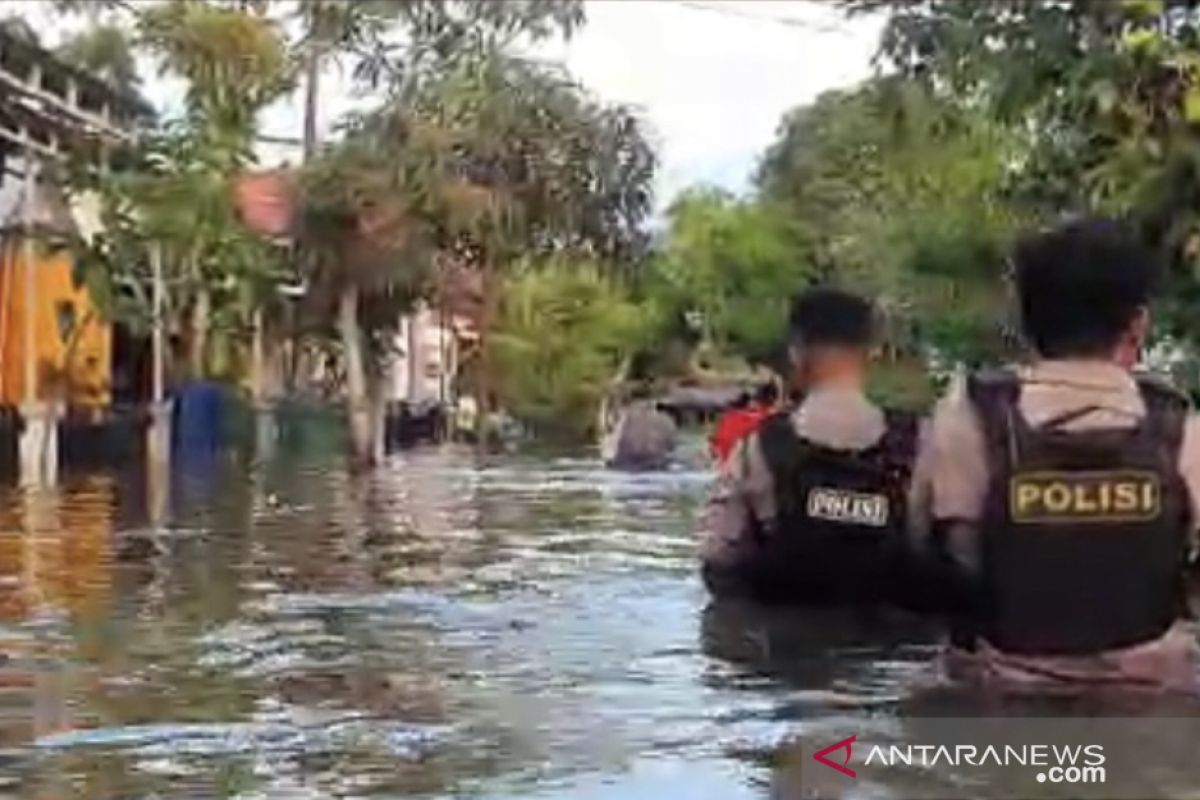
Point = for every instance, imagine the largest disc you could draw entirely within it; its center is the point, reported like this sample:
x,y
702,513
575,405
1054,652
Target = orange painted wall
x,y
92,356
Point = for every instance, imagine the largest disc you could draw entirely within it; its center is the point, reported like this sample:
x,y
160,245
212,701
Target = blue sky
x,y
712,77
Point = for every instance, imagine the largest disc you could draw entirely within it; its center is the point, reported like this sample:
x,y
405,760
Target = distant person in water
x,y
742,419
810,507
644,437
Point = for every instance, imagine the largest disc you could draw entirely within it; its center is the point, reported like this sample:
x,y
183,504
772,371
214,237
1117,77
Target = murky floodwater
x,y
531,629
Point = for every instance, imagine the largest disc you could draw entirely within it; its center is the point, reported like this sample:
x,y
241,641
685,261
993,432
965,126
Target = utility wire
x,y
732,9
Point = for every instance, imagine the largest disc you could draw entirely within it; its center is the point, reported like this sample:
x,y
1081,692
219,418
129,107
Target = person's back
x,y
644,438
1064,492
810,508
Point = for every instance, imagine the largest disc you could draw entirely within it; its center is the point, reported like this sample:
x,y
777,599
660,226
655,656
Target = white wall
x,y
425,365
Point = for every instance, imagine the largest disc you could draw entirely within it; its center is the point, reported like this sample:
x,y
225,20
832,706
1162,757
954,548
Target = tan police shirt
x,y
950,481
837,417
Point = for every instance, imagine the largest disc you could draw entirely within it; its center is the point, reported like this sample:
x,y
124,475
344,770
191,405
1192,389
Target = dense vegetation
x,y
984,120
987,119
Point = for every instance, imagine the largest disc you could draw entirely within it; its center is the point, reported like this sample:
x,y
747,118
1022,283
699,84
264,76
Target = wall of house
x,y
72,344
425,366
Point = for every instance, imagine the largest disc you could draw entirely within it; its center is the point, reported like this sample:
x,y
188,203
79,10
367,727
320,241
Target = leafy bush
x,y
563,333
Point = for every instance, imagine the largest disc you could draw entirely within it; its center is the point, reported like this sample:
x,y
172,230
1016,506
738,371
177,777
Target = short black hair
x,y
766,394
827,316
1080,285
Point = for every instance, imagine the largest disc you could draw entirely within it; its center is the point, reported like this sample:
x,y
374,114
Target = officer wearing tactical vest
x,y
811,507
1066,490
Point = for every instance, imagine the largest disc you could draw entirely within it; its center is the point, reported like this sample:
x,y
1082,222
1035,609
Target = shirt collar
x,y
1090,374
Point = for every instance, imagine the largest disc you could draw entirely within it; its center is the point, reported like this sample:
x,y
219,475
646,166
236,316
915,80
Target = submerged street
x,y
534,628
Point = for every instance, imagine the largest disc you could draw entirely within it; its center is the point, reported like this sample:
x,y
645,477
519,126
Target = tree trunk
x,y
312,89
359,408
258,361
483,385
201,313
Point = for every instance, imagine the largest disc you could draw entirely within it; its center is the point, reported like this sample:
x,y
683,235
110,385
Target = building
x,y
72,342
54,343
433,343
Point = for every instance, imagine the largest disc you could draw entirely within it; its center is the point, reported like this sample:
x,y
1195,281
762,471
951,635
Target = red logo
x,y
844,744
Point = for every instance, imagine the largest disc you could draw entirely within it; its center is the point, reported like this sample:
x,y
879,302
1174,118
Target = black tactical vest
x,y
838,532
1084,532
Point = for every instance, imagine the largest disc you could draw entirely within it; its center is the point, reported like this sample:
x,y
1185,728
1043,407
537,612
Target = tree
x,y
906,197
235,63
732,265
529,165
490,162
437,33
1107,94
368,242
562,331
106,52
168,195
330,29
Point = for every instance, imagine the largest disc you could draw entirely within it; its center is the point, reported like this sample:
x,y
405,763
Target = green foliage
x,y
731,266
518,160
1106,96
442,35
176,196
235,62
360,226
563,332
886,189
484,165
104,51
172,192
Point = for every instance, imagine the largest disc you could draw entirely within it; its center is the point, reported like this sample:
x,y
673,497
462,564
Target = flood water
x,y
530,628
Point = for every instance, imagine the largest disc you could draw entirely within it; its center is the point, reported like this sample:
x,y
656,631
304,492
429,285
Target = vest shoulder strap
x,y
1167,411
778,441
900,438
994,395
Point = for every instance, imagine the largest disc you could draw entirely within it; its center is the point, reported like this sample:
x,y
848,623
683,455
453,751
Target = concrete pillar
x,y
39,445
39,435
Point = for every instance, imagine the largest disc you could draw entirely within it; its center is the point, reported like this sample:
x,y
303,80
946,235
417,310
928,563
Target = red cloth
x,y
733,426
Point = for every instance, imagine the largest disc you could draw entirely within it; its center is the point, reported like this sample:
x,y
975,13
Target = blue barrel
x,y
199,415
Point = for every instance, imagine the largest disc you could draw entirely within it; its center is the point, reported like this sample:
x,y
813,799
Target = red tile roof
x,y
267,202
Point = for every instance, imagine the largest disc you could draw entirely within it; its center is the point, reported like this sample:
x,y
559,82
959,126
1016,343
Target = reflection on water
x,y
533,628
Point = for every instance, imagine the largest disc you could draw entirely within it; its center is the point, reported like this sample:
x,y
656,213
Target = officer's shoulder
x,y
992,379
1161,392
777,425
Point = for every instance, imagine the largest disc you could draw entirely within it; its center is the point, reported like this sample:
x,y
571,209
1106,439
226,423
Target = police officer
x,y
810,507
1065,491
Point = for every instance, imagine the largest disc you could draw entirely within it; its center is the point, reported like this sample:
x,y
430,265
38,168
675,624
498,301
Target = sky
x,y
712,77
